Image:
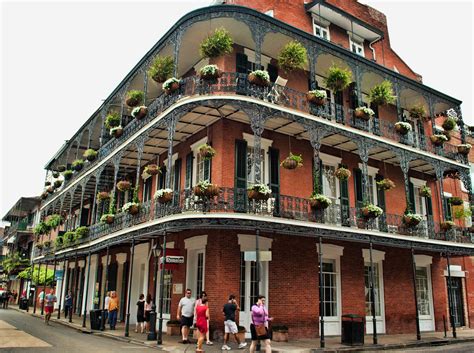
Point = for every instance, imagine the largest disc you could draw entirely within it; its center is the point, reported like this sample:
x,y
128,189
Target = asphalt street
x,y
30,334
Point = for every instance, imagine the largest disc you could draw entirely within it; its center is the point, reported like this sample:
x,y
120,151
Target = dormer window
x,y
357,46
321,28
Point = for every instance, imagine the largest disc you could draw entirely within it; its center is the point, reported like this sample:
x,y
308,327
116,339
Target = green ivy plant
x,y
293,56
338,78
217,44
112,120
382,93
161,69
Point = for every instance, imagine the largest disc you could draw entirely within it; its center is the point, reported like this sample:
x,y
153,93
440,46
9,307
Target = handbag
x,y
261,330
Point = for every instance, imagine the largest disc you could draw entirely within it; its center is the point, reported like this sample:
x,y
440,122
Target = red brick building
x,y
217,230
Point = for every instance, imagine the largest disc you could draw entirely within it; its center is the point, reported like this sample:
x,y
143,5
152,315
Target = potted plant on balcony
x,y
206,152
385,184
259,78
54,221
116,131
112,120
382,93
110,216
50,189
464,148
77,165
164,195
55,174
418,112
447,225
280,333
317,97
134,98
90,154
402,127
364,113
161,69
210,72
57,184
337,78
173,328
438,139
58,242
449,124
139,112
319,201
455,201
371,211
81,233
205,189
293,161
259,192
342,173
152,169
412,219
133,207
67,174
293,56
61,168
44,195
68,238
171,85
102,196
425,191
124,185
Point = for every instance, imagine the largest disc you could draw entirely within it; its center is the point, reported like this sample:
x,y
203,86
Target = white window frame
x,y
264,60
174,158
265,144
427,322
195,149
359,44
322,25
332,324
372,172
418,183
377,258
194,246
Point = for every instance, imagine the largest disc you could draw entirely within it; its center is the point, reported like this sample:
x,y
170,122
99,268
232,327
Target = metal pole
x,y
257,260
102,326
450,299
152,334
44,289
372,293
162,291
74,285
322,343
61,288
130,277
87,289
36,288
418,334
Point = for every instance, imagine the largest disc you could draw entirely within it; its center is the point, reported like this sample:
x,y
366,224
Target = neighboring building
x,y
252,130
18,236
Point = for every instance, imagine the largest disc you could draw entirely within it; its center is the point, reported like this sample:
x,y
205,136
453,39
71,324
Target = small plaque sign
x,y
177,288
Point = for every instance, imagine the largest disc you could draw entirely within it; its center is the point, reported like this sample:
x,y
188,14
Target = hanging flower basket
x,y
363,113
455,201
77,165
206,152
61,168
319,202
425,191
385,184
259,192
90,154
317,97
402,128
164,196
342,173
171,85
447,225
210,72
206,189
134,98
67,174
259,78
438,139
55,174
102,196
371,211
123,185
132,208
449,124
107,218
139,112
293,161
418,112
412,219
50,189
152,169
44,195
116,131
57,184
464,149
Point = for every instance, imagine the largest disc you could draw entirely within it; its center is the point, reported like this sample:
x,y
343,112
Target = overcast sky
x,y
59,61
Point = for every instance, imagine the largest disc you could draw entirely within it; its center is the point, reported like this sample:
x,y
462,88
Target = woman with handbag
x,y
259,325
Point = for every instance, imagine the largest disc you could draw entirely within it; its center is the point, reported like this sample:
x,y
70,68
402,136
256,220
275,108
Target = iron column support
x,y
162,291
102,323
152,334
372,293
61,289
413,261
44,289
450,299
87,288
36,288
130,277
322,342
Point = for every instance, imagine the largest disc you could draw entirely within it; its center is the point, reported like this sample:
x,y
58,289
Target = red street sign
x,y
173,259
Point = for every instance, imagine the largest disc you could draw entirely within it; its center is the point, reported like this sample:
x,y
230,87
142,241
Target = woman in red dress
x,y
202,315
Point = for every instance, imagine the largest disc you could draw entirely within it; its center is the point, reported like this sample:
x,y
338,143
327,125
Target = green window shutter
x,y
381,204
207,170
358,187
429,206
240,182
177,175
241,63
353,95
411,193
272,72
344,201
421,132
189,171
447,207
274,156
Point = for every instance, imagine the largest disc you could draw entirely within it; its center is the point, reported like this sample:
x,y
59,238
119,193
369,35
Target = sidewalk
x,y
171,343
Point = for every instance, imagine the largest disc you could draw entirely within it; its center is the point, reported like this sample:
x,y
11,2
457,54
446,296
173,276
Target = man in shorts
x,y
230,327
185,314
49,301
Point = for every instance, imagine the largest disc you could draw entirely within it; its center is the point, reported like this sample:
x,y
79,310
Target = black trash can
x,y
96,317
352,330
23,303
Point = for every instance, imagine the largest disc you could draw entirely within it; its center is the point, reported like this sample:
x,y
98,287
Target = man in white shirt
x,y
185,314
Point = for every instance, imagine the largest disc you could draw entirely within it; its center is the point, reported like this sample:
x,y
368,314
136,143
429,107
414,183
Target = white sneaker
x,y
226,348
242,345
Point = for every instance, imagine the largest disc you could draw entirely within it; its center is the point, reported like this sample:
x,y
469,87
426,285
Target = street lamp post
x,y
152,333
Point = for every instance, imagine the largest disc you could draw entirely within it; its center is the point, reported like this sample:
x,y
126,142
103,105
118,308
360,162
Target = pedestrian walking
x,y
259,325
49,301
199,302
202,321
140,313
106,305
230,327
148,306
3,298
41,298
68,304
185,314
113,309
